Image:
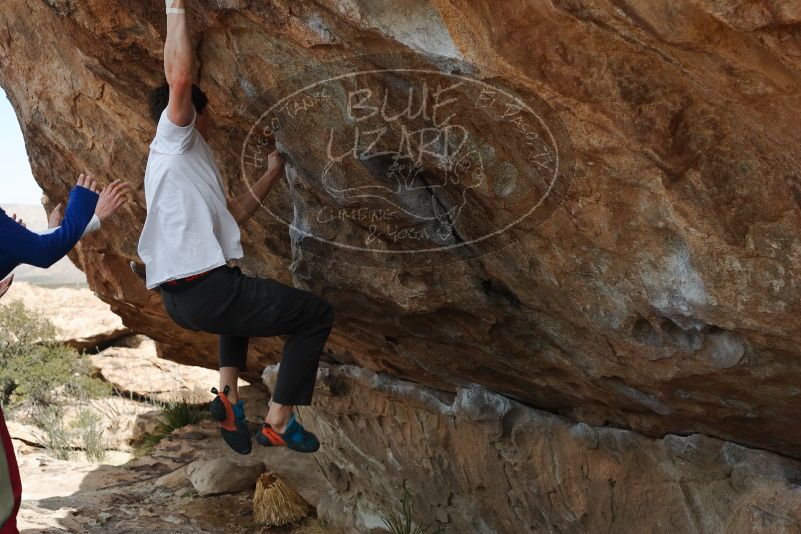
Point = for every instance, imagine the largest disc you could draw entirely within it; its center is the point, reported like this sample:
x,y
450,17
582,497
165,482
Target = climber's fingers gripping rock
x,y
275,162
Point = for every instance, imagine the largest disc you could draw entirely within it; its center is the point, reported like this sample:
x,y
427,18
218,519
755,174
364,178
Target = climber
x,y
85,212
191,233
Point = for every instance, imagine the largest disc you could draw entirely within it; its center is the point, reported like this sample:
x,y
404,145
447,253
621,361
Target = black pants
x,y
237,307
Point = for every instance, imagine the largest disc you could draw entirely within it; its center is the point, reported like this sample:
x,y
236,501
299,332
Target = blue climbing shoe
x,y
233,426
295,437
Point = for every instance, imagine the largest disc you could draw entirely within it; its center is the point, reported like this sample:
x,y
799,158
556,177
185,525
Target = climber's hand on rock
x,y
111,199
5,284
56,216
275,162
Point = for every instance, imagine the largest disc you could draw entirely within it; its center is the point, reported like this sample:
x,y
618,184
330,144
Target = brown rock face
x,y
478,462
589,206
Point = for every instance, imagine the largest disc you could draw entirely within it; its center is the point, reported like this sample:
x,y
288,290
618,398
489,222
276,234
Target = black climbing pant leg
x,y
234,351
238,307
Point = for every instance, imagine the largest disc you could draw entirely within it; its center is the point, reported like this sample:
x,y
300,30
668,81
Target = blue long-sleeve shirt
x,y
19,245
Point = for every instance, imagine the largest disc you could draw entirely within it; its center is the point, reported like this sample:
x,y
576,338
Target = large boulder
x,y
479,462
597,213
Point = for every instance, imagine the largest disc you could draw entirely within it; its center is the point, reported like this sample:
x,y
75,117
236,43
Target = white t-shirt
x,y
188,229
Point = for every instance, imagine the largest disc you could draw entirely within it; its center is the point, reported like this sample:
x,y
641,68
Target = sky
x,y
17,185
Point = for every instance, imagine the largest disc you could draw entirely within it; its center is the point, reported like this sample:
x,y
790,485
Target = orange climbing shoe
x,y
295,437
233,426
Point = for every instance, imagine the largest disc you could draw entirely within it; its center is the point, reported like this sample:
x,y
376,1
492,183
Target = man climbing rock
x,y
191,233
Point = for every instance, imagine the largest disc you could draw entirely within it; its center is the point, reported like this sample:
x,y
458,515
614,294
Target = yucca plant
x,y
402,522
174,415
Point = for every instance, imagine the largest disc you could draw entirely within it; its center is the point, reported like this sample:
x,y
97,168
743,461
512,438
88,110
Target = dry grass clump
x,y
276,503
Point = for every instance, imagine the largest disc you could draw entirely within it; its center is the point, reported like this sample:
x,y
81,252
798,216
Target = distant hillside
x,y
60,274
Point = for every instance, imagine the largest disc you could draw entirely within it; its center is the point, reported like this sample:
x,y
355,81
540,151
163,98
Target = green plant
x,y
20,328
147,442
402,522
33,363
84,384
56,438
174,415
89,429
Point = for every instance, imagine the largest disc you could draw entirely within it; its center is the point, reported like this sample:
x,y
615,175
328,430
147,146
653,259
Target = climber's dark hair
x,y
160,97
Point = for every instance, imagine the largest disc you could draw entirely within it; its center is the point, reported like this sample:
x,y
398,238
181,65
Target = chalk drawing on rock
x,y
406,171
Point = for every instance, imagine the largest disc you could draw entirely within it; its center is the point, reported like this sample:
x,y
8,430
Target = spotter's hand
x,y
111,199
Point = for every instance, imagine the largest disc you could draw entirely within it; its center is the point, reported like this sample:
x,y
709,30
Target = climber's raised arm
x,y
243,207
190,235
178,65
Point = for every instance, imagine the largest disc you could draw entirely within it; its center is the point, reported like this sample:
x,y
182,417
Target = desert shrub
x,y
147,442
35,374
88,428
21,328
60,440
402,522
33,363
174,415
54,435
84,384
